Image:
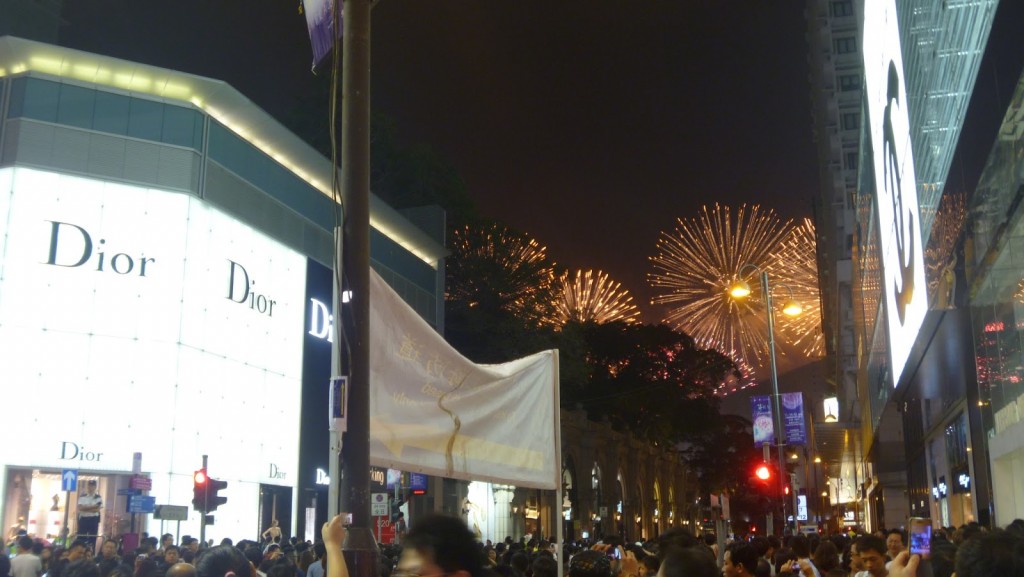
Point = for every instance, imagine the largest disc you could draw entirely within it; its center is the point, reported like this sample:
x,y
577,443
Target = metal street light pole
x,y
779,432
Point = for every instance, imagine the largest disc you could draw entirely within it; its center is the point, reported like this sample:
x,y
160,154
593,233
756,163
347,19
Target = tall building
x,y
166,264
898,329
836,73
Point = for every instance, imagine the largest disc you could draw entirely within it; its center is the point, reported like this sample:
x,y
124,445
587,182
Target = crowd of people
x,y
442,546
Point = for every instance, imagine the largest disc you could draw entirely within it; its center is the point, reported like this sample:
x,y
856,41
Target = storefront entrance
x,y
35,502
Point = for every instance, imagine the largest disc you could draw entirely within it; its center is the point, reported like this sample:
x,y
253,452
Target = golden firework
x,y
592,296
698,263
499,267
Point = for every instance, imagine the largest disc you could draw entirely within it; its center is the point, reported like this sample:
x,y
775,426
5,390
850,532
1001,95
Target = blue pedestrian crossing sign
x,y
69,480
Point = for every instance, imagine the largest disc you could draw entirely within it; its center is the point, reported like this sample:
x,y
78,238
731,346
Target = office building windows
x,y
842,8
845,45
849,82
851,120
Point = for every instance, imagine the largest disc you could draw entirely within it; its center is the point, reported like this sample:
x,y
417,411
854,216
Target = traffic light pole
x,y
206,507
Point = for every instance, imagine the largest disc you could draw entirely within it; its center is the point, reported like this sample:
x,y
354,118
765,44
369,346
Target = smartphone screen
x,y
920,535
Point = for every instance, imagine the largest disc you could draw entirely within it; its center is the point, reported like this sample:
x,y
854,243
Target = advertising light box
x,y
899,218
151,322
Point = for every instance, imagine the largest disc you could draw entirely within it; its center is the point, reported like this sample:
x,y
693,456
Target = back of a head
x,y
742,553
545,566
688,562
82,568
590,563
676,537
220,560
147,568
826,556
943,558
760,544
520,562
25,543
996,554
448,542
182,569
801,546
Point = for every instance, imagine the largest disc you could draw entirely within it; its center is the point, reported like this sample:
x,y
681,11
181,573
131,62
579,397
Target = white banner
x,y
434,411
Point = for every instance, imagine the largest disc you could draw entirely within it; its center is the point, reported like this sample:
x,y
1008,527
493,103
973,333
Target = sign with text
x,y
761,416
171,512
793,418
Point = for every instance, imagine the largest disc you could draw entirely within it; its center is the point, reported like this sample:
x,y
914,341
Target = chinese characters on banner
x,y
793,423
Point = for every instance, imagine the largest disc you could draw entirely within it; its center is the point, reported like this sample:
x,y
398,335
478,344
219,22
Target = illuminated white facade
x,y
163,243
154,324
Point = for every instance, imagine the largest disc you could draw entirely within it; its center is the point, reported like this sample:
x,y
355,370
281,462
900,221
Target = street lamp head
x,y
817,459
792,308
739,289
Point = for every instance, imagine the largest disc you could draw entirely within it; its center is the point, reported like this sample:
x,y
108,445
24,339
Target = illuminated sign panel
x,y
895,183
148,321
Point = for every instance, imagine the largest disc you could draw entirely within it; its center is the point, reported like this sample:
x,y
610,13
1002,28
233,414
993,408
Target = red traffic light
x,y
763,472
199,477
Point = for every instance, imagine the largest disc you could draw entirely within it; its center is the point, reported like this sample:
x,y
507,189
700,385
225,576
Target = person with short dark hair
x,y
826,559
687,562
590,563
740,560
544,566
676,537
82,568
872,549
993,554
437,544
108,552
221,560
316,568
25,564
894,543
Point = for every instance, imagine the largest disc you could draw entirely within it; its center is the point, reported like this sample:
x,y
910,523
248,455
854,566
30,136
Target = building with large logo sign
x,y
165,293
918,412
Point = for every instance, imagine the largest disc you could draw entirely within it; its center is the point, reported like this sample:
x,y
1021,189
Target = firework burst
x,y
795,264
940,253
706,255
509,270
592,296
744,377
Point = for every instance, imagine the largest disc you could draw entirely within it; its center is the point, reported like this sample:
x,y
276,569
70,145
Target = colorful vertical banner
x,y
793,421
761,415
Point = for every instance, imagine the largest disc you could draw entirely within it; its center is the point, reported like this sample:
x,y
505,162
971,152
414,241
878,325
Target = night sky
x,y
589,124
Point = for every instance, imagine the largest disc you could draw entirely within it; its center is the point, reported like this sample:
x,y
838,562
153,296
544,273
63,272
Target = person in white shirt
x,y
25,564
89,506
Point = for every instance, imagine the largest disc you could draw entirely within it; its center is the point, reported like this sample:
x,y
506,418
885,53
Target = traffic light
x,y
396,506
200,482
763,473
213,500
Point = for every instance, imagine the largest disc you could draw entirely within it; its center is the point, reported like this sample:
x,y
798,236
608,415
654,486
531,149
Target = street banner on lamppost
x,y
793,418
761,411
